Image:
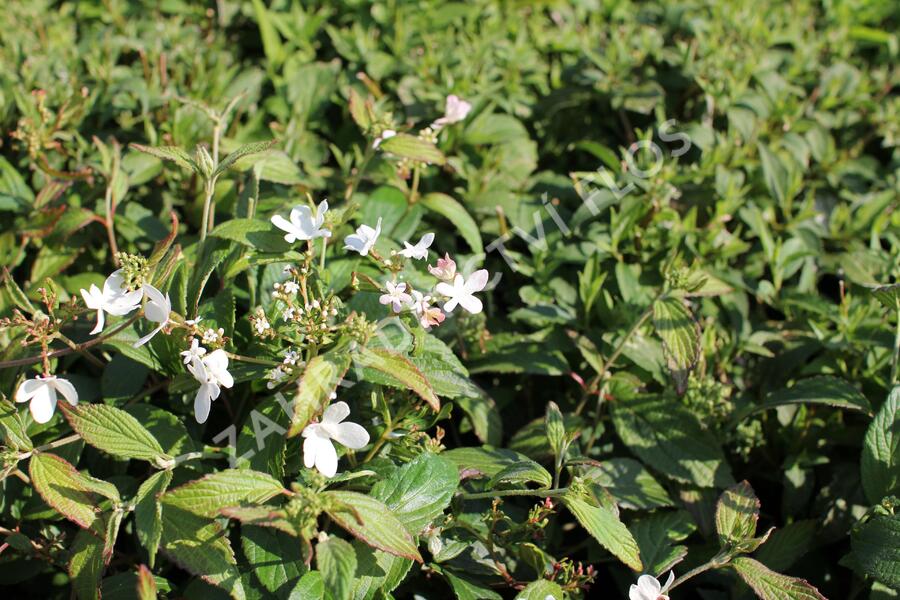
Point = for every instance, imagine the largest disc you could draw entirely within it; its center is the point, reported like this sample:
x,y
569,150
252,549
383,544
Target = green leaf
x,y
456,213
115,432
876,547
657,535
274,556
541,590
419,491
13,428
198,545
667,436
69,492
681,337
148,512
336,559
86,565
788,544
629,483
770,585
522,472
602,522
825,389
241,152
736,514
310,587
887,295
483,461
272,46
170,153
400,368
230,487
467,590
319,380
880,465
378,572
146,587
253,233
774,173
556,428
407,146
213,252
372,522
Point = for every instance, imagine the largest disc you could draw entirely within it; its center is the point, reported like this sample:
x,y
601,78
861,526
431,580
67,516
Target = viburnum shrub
x,y
484,300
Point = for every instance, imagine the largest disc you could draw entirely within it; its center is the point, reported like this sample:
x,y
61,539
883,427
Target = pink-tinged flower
x,y
114,299
429,316
461,291
319,451
41,392
396,296
455,111
420,250
649,588
445,270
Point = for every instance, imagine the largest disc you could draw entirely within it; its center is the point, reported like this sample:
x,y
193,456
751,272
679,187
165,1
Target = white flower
x,y
303,225
385,135
196,351
156,310
455,111
275,376
291,357
364,238
461,291
288,313
193,322
212,373
318,450
420,250
291,287
212,336
113,299
41,391
648,588
428,315
396,296
445,270
261,324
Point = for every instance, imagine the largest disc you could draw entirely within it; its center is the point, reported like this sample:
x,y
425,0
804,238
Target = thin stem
x,y
250,359
719,560
551,493
85,353
207,201
19,362
414,192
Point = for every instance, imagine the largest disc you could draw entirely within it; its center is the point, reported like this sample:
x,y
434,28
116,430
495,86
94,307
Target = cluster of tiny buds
x,y
280,373
260,324
429,135
572,576
214,337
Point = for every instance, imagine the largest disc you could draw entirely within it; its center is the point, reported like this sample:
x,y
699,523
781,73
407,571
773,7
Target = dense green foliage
x,y
688,349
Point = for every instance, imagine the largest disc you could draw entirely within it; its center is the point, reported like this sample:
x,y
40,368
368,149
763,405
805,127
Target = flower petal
x,y
336,413
326,457
351,435
28,389
65,387
148,337
310,449
43,403
202,404
649,585
471,304
100,321
477,281
669,580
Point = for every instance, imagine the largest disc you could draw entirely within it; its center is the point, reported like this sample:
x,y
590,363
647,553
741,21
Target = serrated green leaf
x,y
681,337
828,390
541,590
770,585
377,572
467,590
736,514
668,437
198,545
880,464
170,153
230,487
407,146
274,556
319,380
887,295
115,432
310,587
522,472
69,492
604,525
253,233
336,559
146,586
13,428
86,565
400,368
657,535
629,483
241,152
419,491
372,522
148,512
876,547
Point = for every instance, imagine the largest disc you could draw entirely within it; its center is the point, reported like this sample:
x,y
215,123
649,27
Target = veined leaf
x,y
148,512
629,483
13,428
69,492
876,547
541,590
770,585
681,337
407,146
115,432
320,378
456,213
603,523
372,522
825,389
170,153
524,471
275,557
736,514
880,465
253,233
86,565
377,572
146,587
419,491
336,559
207,495
241,152
400,368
